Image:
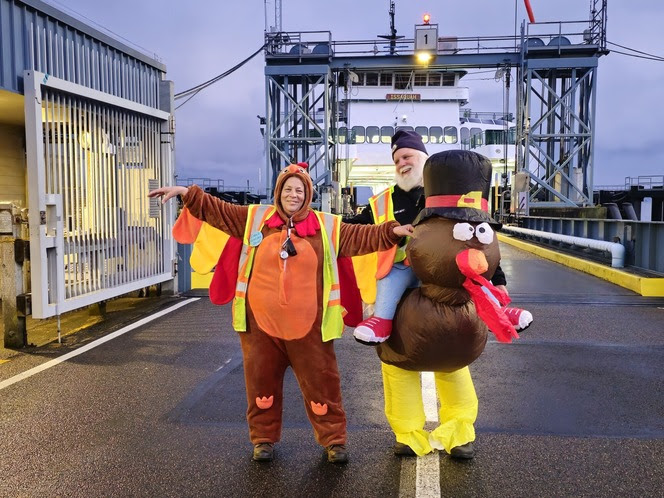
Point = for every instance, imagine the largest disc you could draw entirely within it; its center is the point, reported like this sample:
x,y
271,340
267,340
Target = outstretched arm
x,y
225,216
167,193
355,240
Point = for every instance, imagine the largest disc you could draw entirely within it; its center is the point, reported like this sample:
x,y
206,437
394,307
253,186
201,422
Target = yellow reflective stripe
x,y
381,206
254,224
335,237
332,325
385,205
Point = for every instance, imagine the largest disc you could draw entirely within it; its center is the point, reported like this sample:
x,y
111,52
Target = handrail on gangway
x,y
616,249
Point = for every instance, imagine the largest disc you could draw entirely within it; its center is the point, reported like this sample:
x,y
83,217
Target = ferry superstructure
x,y
375,104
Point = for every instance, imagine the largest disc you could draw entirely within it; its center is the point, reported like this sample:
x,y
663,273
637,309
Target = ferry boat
x,y
376,104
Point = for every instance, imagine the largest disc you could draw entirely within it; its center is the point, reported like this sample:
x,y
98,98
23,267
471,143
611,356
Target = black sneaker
x,y
463,452
263,452
401,449
337,453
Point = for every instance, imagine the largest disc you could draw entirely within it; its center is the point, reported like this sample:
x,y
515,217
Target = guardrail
x,y
617,250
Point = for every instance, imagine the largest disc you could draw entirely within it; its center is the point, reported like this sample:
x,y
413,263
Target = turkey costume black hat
x,y
456,186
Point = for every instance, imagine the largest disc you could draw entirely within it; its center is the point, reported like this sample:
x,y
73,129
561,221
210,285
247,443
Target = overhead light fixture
x,y
424,57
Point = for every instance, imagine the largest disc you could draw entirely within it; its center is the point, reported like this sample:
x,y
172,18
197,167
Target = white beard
x,y
409,182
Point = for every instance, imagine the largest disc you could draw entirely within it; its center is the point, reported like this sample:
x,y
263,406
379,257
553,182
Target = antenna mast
x,y
392,37
276,28
277,15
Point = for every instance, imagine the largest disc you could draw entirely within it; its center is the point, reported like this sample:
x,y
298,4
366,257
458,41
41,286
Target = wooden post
x,y
11,285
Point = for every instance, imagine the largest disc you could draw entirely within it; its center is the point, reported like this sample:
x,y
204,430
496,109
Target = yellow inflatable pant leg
x,y
458,410
404,408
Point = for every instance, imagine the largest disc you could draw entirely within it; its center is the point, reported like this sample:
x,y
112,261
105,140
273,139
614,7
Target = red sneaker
x,y
521,319
373,330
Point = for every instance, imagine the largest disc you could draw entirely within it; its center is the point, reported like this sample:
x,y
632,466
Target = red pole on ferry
x,y
530,10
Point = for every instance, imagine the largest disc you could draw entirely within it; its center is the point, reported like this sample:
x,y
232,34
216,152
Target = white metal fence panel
x,y
93,232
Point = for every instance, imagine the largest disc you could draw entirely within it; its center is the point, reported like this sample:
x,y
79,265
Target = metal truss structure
x,y
556,74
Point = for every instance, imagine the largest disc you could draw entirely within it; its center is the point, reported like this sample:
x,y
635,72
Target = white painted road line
x,y
427,468
427,480
93,344
429,396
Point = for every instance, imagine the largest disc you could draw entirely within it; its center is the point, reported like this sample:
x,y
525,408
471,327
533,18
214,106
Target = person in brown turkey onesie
x,y
287,301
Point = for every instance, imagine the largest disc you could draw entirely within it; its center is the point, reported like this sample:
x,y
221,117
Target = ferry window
x,y
448,79
372,79
434,79
475,137
420,79
405,128
474,120
342,135
424,133
373,135
465,137
450,135
495,137
386,133
436,134
385,79
357,135
401,81
511,136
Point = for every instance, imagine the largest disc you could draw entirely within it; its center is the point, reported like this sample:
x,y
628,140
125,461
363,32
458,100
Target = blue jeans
x,y
391,287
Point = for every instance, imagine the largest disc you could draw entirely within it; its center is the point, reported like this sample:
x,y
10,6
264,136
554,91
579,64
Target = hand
x,y
167,192
502,288
403,230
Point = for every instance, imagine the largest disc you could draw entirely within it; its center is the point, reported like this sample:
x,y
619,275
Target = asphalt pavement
x,y
573,408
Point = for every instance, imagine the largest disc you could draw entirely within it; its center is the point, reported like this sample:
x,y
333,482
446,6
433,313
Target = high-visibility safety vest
x,y
374,266
382,209
332,325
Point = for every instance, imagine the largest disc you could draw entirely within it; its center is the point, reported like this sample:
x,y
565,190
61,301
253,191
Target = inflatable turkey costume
x,y
442,325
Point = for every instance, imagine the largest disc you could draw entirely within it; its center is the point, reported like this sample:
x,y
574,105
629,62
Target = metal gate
x,y
92,158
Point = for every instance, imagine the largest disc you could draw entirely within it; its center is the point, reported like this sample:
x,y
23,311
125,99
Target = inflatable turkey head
x,y
455,220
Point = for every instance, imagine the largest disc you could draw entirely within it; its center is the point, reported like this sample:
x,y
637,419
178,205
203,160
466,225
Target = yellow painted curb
x,y
645,286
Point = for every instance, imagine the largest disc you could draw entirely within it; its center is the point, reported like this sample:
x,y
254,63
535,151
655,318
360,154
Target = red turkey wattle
x,y
489,311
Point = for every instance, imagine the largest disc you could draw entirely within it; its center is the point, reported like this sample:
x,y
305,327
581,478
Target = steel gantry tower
x,y
301,102
556,113
556,78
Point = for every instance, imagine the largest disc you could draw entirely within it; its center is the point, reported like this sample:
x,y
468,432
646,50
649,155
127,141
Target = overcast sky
x,y
217,134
